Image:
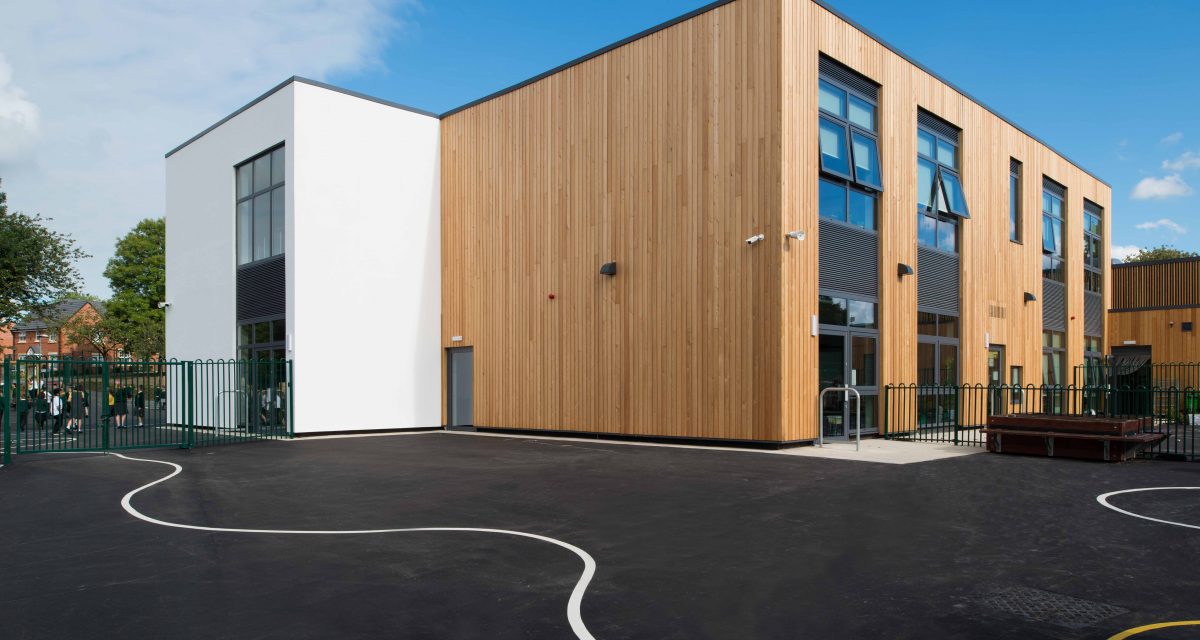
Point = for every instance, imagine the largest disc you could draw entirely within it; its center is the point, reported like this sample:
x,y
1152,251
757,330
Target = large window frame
x,y
855,320
1015,228
259,207
945,204
1093,249
1053,221
848,121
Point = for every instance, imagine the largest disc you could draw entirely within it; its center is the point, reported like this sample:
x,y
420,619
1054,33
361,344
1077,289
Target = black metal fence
x,y
86,405
1135,372
958,414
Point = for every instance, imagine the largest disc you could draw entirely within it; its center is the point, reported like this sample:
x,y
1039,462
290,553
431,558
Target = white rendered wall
x,y
201,260
364,264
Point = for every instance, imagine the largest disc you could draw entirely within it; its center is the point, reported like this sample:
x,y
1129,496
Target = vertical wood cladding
x,y
661,155
664,155
1170,283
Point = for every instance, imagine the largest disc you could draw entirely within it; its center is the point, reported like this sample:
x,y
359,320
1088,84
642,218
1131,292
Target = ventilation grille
x,y
997,311
838,72
1035,605
937,281
1093,314
937,125
1054,187
1054,306
1014,166
1093,208
848,259
262,289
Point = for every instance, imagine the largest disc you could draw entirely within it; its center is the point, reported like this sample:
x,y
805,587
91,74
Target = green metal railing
x,y
1112,372
85,405
958,414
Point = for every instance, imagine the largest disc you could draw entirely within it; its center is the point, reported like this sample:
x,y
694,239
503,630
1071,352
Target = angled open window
x,y
952,192
835,156
866,161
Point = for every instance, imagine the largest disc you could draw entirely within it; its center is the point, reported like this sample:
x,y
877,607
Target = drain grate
x,y
1036,605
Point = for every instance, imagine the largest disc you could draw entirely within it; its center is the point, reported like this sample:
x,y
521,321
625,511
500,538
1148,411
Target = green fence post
x,y
5,418
291,412
104,412
190,403
886,389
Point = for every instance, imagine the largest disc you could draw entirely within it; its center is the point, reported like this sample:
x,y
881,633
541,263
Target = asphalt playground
x,y
446,535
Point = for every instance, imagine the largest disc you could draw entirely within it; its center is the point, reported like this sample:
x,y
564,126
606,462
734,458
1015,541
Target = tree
x,y
138,277
37,265
91,329
1162,252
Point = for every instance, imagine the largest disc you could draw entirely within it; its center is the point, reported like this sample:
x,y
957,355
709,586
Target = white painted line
x,y
1103,499
573,604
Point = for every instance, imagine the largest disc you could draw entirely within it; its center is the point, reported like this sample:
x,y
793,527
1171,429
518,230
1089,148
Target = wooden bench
x,y
1082,437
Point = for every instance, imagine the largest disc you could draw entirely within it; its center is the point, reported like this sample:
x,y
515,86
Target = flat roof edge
x,y
300,79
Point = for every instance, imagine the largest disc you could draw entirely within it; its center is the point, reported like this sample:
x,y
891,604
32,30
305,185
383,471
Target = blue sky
x,y
1111,84
93,92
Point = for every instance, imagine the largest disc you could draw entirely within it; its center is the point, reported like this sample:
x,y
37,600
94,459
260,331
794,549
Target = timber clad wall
x,y
1152,304
664,155
661,155
1166,284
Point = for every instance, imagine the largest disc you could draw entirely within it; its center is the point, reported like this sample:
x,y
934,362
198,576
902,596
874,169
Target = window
x,y
1053,357
1093,248
937,348
52,336
1053,196
263,335
941,202
260,207
21,337
97,357
1014,200
849,147
53,355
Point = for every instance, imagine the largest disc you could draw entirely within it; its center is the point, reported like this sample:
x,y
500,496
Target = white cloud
x,y
1123,252
1163,223
1187,160
18,118
108,86
1172,138
1157,188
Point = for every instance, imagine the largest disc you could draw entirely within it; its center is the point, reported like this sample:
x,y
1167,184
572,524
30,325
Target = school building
x,y
687,234
1154,315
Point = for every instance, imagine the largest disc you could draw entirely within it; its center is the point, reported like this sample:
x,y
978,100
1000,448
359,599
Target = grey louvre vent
x,y
935,124
1054,306
262,289
1093,208
1014,165
937,281
848,259
1093,314
838,72
1054,187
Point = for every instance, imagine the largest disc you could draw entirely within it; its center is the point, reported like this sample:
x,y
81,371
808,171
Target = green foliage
x,y
1163,252
95,330
37,265
137,275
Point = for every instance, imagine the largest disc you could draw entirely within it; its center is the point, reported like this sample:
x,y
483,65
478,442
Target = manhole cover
x,y
1036,605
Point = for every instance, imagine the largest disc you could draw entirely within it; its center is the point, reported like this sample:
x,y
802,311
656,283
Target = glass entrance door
x,y
996,380
849,359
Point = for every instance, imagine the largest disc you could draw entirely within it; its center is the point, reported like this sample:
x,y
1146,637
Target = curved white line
x,y
573,604
1103,499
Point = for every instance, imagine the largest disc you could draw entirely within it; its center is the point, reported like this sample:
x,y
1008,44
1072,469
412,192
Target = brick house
x,y
42,337
6,342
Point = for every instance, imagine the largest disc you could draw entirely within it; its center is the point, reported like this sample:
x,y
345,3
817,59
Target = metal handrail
x,y
857,415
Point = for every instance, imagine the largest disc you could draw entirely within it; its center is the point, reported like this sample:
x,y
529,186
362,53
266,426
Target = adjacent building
x,y
1155,317
687,234
44,337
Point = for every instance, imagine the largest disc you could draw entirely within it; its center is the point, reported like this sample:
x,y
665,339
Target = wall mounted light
x,y
608,269
903,270
1029,297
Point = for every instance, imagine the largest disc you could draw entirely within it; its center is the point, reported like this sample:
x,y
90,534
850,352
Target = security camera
x,y
757,238
163,305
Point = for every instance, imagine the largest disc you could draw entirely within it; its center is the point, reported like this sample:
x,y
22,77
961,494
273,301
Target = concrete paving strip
x,y
873,449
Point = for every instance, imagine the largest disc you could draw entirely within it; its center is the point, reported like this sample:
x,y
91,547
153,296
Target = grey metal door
x,y
459,387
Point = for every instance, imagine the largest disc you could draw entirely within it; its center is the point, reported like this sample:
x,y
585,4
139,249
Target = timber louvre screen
x,y
937,281
111,405
849,259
